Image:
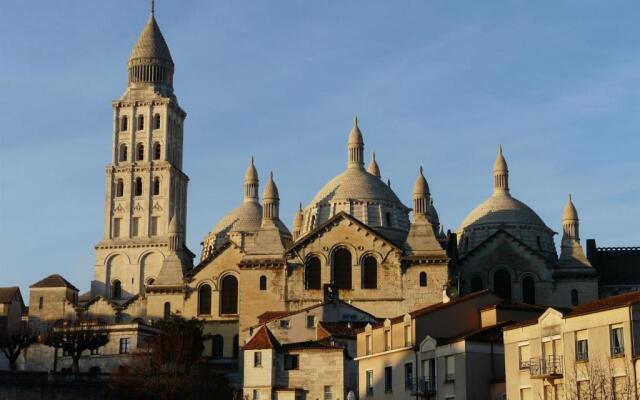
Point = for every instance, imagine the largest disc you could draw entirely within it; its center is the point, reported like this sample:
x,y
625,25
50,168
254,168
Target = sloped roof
x,y
269,316
312,344
494,235
514,305
263,339
7,294
344,330
492,333
52,281
151,43
608,303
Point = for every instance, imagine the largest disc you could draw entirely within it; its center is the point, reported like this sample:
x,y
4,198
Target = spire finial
x,y
271,175
421,171
153,7
389,182
300,206
374,156
355,120
570,198
500,149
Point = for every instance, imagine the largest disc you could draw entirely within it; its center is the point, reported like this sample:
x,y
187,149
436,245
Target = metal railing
x,y
546,366
423,387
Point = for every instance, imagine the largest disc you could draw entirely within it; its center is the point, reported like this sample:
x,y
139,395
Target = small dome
x,y
270,189
252,172
569,213
421,188
373,167
500,165
502,209
355,136
246,218
356,184
151,43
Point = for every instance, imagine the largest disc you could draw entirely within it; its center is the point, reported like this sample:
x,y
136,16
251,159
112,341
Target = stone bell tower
x,y
145,185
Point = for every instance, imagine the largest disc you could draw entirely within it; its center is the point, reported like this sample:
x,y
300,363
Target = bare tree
x,y
595,380
76,337
13,343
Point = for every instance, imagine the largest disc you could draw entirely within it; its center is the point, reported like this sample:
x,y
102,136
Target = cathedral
x,y
356,237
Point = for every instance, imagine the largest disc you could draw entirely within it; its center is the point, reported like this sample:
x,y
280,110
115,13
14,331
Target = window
x,y
369,383
235,347
342,268
524,356
423,279
502,284
291,361
157,151
387,339
116,289
370,273
156,186
312,273
167,310
407,335
369,339
124,345
450,369
138,188
408,375
120,188
156,121
140,122
529,290
263,282
135,226
217,346
204,300
123,152
476,284
229,295
256,394
154,226
95,352
538,243
574,297
388,379
582,346
285,324
116,227
311,321
40,302
617,341
328,392
387,219
140,152
124,123
257,359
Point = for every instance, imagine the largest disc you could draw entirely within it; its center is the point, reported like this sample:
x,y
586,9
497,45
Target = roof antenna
x,y
153,7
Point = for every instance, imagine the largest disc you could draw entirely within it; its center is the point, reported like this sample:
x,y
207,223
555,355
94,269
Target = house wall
x,y
318,368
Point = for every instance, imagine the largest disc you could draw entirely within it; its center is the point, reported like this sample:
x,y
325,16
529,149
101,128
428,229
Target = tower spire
x,y
421,195
251,183
270,211
355,146
373,167
153,7
500,174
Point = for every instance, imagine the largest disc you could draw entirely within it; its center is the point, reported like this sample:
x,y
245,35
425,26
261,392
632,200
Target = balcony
x,y
546,367
423,387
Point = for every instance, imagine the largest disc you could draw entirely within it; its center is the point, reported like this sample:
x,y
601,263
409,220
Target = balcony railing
x,y
546,367
423,387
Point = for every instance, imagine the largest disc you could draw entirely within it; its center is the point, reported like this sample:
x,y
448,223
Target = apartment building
x,y
588,352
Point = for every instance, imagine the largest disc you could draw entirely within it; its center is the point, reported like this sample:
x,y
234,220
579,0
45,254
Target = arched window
x,y
263,282
119,188
156,186
387,217
342,268
476,284
529,290
140,152
156,121
313,222
124,123
204,300
229,295
369,273
138,188
167,310
236,347
140,122
312,273
217,346
423,279
157,151
502,284
123,152
574,297
116,289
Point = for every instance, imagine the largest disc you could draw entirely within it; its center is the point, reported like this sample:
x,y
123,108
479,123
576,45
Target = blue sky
x,y
434,83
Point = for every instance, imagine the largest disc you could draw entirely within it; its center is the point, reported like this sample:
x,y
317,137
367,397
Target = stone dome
x,y
246,218
356,184
502,209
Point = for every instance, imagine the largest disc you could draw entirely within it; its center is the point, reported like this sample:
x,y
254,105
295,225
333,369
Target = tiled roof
x,y
54,280
345,330
508,305
312,344
269,316
7,294
608,303
263,339
492,333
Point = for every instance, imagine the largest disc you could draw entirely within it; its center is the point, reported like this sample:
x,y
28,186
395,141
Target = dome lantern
x,y
270,209
251,183
355,146
570,222
500,173
421,201
373,167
